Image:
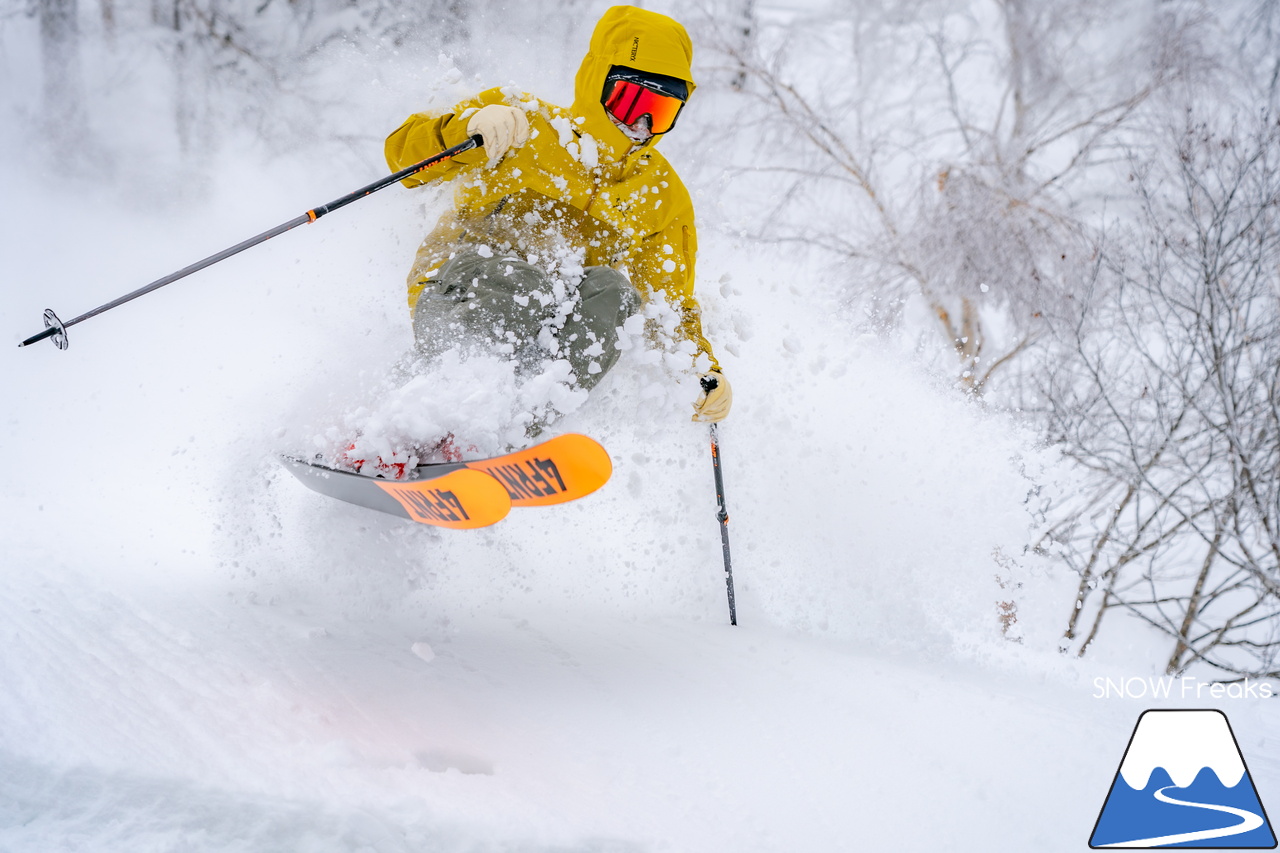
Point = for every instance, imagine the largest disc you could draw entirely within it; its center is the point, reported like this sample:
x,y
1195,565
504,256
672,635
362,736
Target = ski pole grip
x,y
709,383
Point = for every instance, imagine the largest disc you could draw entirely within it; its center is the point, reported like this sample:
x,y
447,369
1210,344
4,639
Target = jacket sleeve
x,y
424,135
666,262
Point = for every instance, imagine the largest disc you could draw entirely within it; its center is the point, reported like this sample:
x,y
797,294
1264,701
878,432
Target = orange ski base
x,y
462,500
468,495
561,469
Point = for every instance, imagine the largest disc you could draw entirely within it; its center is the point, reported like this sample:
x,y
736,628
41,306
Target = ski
x,y
471,494
556,471
461,499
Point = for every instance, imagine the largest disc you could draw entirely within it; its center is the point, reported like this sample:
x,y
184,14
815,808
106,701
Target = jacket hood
x,y
635,38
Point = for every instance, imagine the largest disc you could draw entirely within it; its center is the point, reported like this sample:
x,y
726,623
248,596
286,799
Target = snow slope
x,y
200,654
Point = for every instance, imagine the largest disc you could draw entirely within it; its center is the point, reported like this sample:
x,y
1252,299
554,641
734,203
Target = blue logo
x,y
1183,783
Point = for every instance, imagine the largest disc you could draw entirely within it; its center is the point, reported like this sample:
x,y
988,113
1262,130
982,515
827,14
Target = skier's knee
x,y
608,294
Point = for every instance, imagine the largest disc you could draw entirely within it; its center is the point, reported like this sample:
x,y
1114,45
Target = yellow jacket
x,y
578,181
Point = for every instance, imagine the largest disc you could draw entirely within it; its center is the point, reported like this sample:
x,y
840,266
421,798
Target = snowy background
x,y
197,653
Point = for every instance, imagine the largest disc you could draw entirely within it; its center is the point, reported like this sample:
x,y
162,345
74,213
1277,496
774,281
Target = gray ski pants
x,y
477,301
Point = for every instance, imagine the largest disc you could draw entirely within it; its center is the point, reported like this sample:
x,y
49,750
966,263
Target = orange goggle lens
x,y
628,102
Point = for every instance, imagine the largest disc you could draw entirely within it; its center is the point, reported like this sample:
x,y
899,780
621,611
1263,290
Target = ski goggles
x,y
628,102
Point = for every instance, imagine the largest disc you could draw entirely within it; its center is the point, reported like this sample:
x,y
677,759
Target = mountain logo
x,y
1183,783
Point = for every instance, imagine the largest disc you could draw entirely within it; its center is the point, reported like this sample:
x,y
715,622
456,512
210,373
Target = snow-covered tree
x,y
1169,396
946,154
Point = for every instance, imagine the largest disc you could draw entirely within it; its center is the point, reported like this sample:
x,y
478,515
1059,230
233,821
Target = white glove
x,y
714,404
502,129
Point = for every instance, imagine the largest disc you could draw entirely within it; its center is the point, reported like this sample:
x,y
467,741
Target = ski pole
x,y
722,514
56,329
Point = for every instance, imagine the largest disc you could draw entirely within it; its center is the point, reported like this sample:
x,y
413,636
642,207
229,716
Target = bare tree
x,y
1259,47
1169,395
64,114
951,150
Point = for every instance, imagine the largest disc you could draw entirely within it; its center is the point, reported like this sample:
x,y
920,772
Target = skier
x,y
550,185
